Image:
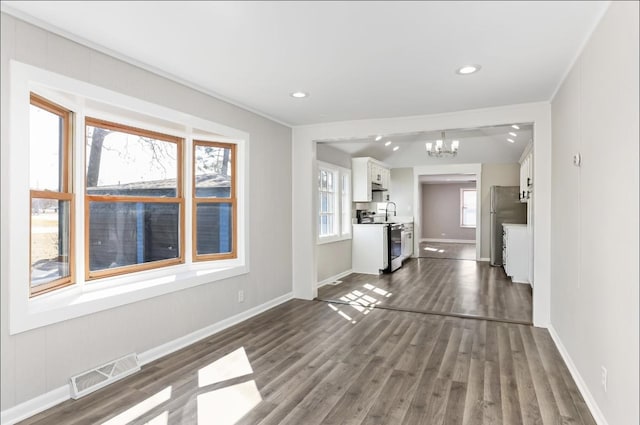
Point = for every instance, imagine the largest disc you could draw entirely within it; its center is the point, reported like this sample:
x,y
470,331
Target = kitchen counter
x,y
369,248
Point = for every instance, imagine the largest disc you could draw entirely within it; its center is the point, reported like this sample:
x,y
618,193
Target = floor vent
x,y
101,376
335,282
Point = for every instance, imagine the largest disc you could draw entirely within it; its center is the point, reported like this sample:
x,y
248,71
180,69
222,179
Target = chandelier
x,y
440,149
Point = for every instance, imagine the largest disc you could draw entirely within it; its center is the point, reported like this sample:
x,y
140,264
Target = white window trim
x,y
339,172
462,190
84,297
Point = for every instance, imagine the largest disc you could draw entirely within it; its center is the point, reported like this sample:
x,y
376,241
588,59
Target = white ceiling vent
x,y
101,376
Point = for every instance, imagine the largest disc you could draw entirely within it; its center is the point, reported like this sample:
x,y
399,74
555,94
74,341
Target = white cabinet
x,y
407,241
369,248
515,252
526,175
366,172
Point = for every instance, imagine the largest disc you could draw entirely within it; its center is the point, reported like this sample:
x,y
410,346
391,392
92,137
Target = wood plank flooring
x,y
452,251
456,287
312,362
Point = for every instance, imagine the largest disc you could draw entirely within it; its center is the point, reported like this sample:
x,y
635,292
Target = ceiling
x,y
355,59
487,145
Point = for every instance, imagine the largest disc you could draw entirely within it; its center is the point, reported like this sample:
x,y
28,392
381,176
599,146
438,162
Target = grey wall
x,y
494,175
401,190
441,212
327,153
333,258
594,233
37,361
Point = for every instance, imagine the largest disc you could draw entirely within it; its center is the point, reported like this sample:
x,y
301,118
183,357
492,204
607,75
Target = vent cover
x,y
91,380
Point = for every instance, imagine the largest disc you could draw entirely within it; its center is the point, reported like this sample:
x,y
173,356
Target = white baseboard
x,y
485,259
35,405
45,401
582,387
448,240
334,278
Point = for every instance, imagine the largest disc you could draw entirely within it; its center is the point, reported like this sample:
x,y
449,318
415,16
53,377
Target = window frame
x,y
89,297
204,200
65,193
339,233
463,190
178,200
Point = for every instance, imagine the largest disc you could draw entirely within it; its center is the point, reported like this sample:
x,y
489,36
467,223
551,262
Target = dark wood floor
x,y
439,286
312,362
453,251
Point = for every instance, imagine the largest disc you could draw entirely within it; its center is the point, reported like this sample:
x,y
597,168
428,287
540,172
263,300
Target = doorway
x,y
448,218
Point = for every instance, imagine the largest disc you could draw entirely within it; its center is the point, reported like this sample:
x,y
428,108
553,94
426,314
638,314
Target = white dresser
x,y
515,252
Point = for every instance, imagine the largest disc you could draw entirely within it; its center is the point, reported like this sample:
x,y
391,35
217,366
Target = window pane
x,y
50,239
213,171
469,198
215,228
119,163
128,233
469,217
45,146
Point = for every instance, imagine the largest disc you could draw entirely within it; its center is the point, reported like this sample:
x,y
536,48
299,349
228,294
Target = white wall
x,y
333,258
401,190
37,361
594,261
494,175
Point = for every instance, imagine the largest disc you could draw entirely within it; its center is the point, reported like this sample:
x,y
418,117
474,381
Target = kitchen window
x,y
334,203
468,204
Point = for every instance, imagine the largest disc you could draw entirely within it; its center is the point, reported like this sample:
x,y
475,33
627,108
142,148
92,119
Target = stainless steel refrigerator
x,y
505,208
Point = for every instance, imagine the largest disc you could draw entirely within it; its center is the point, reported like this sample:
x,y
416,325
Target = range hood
x,y
377,187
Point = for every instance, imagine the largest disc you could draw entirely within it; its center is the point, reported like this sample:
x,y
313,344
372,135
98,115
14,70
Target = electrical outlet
x,y
241,296
603,378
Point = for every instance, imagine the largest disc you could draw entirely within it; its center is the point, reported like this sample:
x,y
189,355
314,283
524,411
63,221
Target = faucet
x,y
386,210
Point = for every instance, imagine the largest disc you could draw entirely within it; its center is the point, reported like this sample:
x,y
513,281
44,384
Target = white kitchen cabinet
x,y
407,241
369,248
526,175
515,252
365,172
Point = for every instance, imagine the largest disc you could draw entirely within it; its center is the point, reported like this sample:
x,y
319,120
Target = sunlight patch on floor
x,y
341,313
141,408
233,365
225,406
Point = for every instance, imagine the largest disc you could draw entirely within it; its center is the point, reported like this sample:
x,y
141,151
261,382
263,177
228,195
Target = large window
x,y
51,194
468,204
133,199
334,203
134,213
214,201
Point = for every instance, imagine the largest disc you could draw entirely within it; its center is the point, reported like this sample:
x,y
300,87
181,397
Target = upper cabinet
x,y
526,175
368,175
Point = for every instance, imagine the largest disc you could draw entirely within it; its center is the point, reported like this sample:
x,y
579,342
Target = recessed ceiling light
x,y
378,138
299,94
511,141
517,127
511,133
468,69
396,148
387,143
